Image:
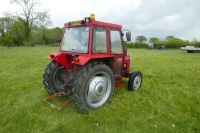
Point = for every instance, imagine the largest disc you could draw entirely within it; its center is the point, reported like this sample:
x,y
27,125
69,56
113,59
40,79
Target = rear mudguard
x,y
59,57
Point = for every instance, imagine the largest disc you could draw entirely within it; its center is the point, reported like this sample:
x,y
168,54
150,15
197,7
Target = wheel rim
x,y
60,76
99,89
137,82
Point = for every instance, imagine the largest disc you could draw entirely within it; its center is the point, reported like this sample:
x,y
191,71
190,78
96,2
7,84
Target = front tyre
x,y
54,77
135,81
93,87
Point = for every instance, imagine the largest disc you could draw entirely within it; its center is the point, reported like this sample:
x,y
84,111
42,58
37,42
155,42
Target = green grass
x,y
168,101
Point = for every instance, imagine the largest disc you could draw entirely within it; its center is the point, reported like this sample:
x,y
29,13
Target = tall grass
x,y
168,100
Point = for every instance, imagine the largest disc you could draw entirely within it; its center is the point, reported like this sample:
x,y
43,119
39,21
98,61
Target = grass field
x,y
168,101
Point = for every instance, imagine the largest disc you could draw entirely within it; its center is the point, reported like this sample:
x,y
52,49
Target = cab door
x,y
118,52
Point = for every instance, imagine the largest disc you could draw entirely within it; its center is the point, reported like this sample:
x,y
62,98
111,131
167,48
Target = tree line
x,y
169,42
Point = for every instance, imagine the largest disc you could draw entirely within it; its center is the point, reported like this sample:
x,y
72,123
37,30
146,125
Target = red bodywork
x,y
114,61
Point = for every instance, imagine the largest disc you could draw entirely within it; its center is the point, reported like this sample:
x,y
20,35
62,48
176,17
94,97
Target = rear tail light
x,y
76,60
52,56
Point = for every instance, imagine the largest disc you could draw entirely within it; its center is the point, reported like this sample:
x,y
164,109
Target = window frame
x,y
121,42
93,41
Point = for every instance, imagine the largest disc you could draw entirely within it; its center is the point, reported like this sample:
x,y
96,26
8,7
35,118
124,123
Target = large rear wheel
x,y
93,87
54,77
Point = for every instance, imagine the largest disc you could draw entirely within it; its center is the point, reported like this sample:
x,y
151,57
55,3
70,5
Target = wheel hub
x,y
97,89
100,88
137,82
59,78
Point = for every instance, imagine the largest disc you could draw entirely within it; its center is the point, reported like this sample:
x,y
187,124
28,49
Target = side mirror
x,y
128,36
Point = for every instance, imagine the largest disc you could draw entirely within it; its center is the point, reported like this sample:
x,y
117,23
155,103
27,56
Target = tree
x,y
43,22
28,15
195,42
169,38
54,35
153,39
19,32
6,24
141,39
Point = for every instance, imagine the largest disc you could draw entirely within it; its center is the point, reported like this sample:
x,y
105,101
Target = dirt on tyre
x,y
93,87
54,77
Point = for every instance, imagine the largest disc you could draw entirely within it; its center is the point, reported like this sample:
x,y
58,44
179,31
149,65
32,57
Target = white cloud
x,y
151,18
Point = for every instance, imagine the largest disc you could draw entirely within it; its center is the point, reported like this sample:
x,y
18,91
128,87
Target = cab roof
x,y
92,22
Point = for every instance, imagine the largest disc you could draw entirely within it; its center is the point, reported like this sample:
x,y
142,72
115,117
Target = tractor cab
x,y
89,39
91,62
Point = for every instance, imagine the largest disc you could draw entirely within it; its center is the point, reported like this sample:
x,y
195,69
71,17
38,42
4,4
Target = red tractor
x,y
91,62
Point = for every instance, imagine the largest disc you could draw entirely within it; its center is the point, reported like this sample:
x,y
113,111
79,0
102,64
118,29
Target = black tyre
x,y
54,77
93,87
135,81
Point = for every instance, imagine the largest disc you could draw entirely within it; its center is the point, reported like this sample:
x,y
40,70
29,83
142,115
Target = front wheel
x,y
135,81
94,87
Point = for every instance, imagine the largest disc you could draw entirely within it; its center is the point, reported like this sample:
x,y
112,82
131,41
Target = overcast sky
x,y
151,18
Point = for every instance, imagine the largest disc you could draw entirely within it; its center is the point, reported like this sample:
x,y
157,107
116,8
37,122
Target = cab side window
x,y
99,40
116,42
